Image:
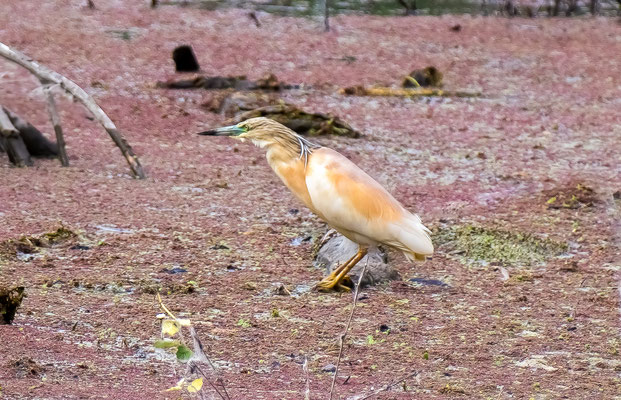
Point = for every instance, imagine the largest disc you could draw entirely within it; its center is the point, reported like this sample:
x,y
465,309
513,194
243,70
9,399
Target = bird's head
x,y
260,131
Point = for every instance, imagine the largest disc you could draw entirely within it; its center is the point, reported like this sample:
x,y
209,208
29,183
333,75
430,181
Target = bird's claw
x,y
331,284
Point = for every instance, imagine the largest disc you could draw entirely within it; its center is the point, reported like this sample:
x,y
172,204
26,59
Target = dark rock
x,y
336,249
428,282
185,60
175,270
331,368
80,247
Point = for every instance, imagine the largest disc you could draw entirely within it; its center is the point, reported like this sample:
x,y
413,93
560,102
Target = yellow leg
x,y
333,281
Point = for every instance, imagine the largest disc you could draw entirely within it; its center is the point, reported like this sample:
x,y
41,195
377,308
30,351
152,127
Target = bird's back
x,y
359,207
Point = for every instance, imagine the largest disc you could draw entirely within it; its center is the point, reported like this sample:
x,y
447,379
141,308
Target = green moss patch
x,y
472,244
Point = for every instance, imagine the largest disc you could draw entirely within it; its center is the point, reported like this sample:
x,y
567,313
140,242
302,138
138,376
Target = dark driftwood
x,y
269,82
37,144
50,78
300,121
12,142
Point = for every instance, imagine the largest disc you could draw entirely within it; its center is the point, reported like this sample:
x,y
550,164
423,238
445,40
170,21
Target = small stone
x,y
330,368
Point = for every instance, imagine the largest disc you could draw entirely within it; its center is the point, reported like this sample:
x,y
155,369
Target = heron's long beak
x,y
232,130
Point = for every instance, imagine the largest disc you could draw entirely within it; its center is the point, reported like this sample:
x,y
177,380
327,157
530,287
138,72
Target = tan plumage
x,y
337,191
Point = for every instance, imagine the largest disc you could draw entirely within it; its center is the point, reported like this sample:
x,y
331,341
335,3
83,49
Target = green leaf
x,y
165,344
183,353
244,323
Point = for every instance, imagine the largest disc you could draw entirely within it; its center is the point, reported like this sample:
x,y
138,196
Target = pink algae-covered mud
x,y
548,121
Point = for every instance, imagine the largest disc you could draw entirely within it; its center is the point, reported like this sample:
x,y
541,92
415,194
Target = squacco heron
x,y
339,192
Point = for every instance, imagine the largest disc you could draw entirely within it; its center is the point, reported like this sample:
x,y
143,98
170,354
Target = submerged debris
x,y
300,121
474,244
32,244
232,104
268,82
10,300
426,77
571,197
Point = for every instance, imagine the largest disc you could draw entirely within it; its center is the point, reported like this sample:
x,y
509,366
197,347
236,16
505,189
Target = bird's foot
x,y
331,284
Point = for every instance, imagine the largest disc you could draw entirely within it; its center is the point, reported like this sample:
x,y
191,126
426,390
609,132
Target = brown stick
x,y
55,118
47,76
344,334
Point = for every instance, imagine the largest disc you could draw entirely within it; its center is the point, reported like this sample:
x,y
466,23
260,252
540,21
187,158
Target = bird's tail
x,y
413,238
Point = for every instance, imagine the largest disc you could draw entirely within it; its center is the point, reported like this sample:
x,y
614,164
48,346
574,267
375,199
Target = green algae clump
x,y
472,244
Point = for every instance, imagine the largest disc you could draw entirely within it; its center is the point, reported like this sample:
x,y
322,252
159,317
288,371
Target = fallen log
x,y
269,83
387,91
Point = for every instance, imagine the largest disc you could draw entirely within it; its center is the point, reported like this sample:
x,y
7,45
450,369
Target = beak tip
x,y
211,132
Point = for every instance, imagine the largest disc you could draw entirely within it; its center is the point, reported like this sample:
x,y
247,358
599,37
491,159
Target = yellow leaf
x,y
196,385
170,327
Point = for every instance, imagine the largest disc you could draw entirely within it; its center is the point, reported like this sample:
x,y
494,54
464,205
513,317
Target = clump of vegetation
x,y
32,244
300,121
571,197
472,244
10,300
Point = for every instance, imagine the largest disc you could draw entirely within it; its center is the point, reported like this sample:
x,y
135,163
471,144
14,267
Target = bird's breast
x,y
292,174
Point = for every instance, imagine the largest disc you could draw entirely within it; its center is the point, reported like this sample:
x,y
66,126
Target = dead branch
x,y
48,77
386,91
344,334
58,130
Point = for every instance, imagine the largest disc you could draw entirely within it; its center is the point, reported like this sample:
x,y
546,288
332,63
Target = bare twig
x,y
390,385
344,334
46,76
58,130
307,379
326,15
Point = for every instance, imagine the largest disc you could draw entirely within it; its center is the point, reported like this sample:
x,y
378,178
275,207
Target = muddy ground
x,y
521,159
